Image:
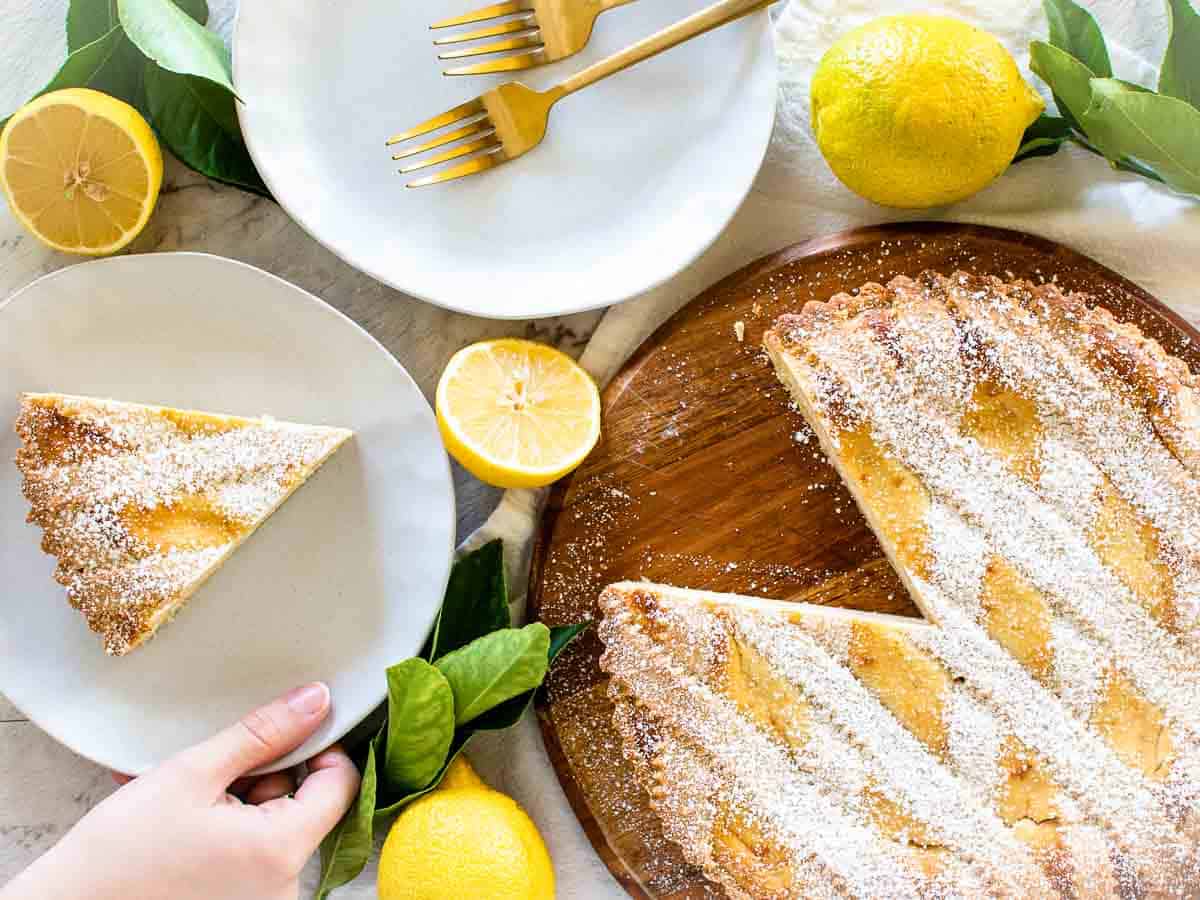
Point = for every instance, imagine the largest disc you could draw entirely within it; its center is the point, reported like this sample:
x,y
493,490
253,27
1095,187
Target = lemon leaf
x,y
1043,137
346,849
1179,76
503,716
386,813
476,601
197,121
175,41
90,19
1074,31
508,713
496,667
1153,131
121,76
420,724
83,67
1068,78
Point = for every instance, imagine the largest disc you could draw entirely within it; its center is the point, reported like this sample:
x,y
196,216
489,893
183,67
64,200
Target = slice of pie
x,y
141,504
1029,465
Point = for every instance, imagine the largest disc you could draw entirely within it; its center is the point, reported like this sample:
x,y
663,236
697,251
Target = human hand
x,y
195,829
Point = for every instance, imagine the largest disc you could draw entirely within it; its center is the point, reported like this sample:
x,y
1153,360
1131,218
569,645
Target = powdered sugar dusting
x,y
1040,729
140,503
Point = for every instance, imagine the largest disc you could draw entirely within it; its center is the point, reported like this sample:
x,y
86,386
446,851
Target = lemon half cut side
x,y
517,413
81,170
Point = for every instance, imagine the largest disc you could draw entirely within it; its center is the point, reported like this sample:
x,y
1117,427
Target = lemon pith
x,y
81,170
468,842
915,111
517,413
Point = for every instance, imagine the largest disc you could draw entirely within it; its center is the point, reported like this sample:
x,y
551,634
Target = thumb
x,y
260,737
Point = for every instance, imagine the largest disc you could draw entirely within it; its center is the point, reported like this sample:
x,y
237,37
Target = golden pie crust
x,y
1030,466
141,504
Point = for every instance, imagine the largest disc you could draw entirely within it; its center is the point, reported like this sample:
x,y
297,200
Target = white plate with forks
x,y
636,177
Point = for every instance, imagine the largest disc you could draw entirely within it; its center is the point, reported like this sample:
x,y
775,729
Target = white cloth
x,y
1137,228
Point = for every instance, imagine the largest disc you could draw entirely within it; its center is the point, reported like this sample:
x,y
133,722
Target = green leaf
x,y
89,19
1179,76
1043,137
503,716
175,41
420,724
476,601
121,76
1152,130
562,635
1068,78
346,849
83,67
508,713
385,813
197,121
1073,30
495,667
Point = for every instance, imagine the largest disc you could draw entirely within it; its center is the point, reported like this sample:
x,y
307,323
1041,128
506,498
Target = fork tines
x,y
473,137
520,35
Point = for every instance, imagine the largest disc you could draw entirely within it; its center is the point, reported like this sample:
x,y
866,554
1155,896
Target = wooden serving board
x,y
705,478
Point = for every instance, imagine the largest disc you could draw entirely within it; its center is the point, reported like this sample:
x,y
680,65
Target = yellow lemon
x,y
460,774
517,413
918,110
81,170
465,843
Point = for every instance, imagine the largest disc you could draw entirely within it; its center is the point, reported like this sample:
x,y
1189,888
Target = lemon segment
x,y
915,111
516,413
469,842
81,170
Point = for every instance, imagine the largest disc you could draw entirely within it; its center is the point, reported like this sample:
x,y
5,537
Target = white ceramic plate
x,y
341,582
637,176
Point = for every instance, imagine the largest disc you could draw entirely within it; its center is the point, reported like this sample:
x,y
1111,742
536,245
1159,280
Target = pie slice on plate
x,y
141,504
1030,466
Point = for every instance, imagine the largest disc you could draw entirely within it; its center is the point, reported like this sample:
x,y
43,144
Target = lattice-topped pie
x,y
1031,467
141,504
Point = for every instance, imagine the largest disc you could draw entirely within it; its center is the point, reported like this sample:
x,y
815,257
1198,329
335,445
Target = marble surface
x,y
44,788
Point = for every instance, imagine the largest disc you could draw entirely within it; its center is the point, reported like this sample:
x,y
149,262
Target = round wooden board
x,y
705,478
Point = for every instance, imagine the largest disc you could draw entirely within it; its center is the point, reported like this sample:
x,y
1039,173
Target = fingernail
x,y
309,699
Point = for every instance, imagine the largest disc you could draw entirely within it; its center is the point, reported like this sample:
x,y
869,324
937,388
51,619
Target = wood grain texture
x,y
706,478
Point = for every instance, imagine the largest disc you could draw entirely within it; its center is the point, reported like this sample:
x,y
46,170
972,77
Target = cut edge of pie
x,y
752,726
1030,467
141,504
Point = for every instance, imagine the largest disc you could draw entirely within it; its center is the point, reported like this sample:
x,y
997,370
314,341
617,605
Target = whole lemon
x,y
462,843
918,110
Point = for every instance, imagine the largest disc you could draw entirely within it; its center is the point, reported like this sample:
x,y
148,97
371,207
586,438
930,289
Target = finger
x,y
261,736
269,787
322,799
121,778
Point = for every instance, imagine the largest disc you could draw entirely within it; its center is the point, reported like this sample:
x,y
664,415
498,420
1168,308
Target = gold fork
x,y
510,120
540,32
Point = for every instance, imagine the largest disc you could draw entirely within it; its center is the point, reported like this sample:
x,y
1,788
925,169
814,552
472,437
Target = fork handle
x,y
685,29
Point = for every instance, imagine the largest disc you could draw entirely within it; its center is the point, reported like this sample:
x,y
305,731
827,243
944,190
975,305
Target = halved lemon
x,y
517,413
81,170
